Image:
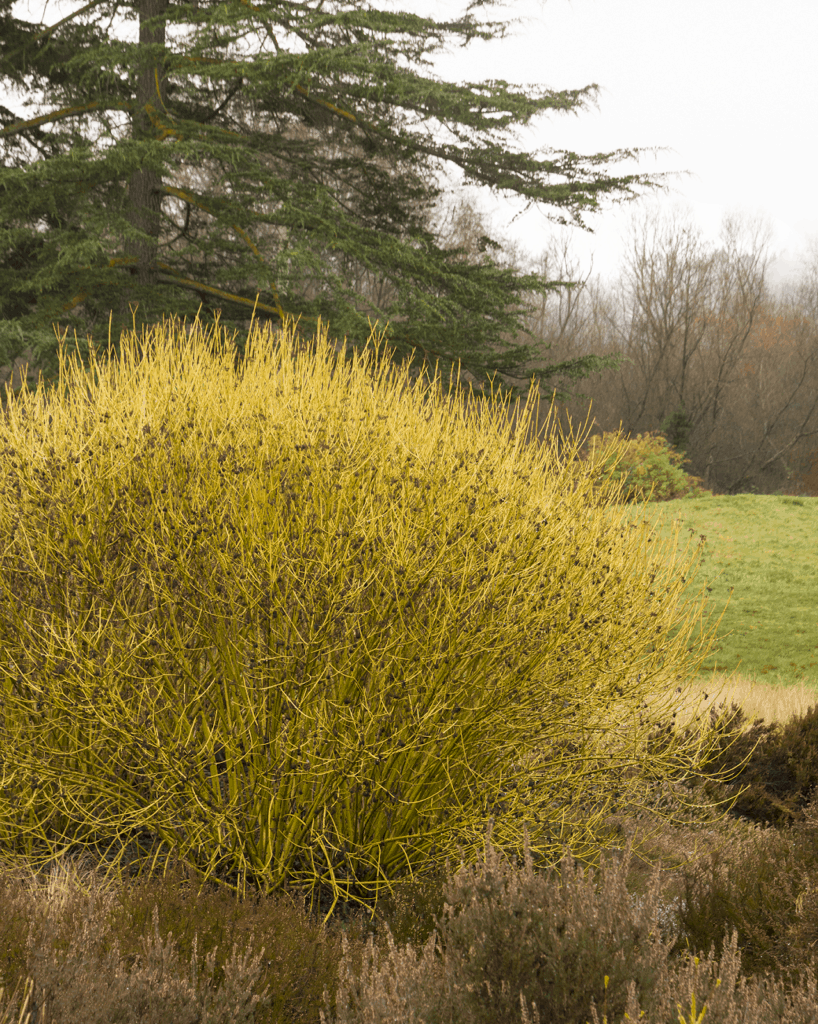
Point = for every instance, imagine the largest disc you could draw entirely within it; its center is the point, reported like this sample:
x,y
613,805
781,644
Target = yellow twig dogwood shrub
x,y
304,626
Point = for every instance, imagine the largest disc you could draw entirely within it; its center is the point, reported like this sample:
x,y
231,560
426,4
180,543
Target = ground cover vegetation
x,y
512,941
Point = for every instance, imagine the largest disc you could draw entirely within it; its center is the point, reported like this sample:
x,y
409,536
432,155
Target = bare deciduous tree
x,y
779,413
683,315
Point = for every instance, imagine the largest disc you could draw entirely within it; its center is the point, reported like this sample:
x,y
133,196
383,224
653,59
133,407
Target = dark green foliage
x,y
310,180
676,427
781,773
791,764
22,259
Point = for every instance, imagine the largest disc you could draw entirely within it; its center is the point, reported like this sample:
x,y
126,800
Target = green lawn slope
x,y
761,555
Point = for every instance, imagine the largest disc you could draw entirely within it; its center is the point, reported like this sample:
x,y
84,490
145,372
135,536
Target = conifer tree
x,y
90,230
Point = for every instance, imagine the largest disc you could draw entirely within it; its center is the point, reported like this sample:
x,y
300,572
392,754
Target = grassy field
x,y
763,548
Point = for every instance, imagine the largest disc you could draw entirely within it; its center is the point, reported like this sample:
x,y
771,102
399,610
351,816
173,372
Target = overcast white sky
x,y
730,86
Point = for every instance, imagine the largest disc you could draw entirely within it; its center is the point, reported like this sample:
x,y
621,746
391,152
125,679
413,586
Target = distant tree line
x,y
712,357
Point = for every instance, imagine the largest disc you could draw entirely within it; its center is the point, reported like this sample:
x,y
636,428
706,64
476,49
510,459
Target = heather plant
x,y
75,971
739,745
773,768
762,887
561,920
564,948
511,935
79,939
154,990
782,773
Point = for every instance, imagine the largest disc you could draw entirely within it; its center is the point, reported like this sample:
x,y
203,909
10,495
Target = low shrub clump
x,y
765,888
649,469
159,949
496,942
562,947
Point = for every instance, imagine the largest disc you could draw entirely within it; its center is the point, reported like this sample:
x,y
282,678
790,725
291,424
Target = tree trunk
x,y
144,196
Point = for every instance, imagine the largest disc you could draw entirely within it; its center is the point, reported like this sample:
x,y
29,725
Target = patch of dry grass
x,y
772,702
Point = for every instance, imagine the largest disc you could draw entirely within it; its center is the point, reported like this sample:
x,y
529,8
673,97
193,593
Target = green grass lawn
x,y
765,549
